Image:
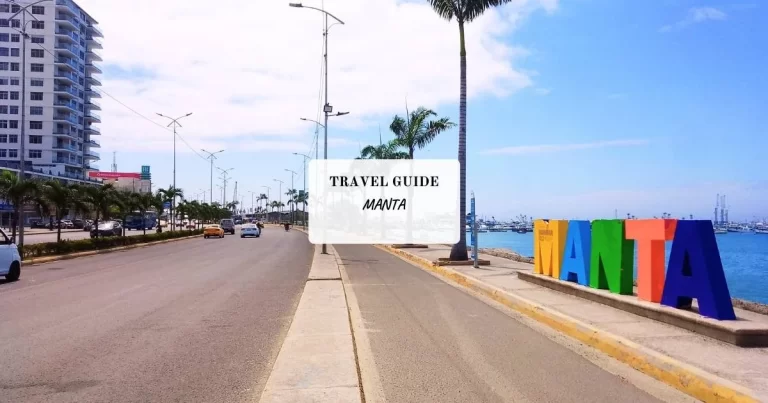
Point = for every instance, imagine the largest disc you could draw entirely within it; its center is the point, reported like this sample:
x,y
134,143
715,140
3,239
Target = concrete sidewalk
x,y
317,360
703,367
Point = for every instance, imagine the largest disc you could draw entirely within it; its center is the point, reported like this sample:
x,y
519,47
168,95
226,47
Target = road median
x,y
673,356
45,253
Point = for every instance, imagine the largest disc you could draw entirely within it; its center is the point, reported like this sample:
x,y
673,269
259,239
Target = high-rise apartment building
x,y
60,68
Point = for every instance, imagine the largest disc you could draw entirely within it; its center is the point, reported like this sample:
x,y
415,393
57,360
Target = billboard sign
x,y
113,175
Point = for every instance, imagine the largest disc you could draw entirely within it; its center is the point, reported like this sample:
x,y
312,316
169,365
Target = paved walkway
x,y
744,366
431,342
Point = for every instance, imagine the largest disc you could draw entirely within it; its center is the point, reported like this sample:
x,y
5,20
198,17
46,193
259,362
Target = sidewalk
x,y
689,356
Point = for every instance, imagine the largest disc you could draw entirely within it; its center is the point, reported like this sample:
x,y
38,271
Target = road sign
x,y
6,206
167,205
145,175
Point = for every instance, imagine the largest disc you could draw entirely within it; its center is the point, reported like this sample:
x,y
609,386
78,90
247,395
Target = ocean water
x,y
744,256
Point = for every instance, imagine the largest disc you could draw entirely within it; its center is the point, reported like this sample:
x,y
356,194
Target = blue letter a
x,y
696,271
578,247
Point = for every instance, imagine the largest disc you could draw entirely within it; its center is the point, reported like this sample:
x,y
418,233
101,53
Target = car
x,y
213,231
38,224
228,225
250,230
10,261
108,228
67,224
78,224
88,225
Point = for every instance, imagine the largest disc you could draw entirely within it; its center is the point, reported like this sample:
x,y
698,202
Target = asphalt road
x,y
189,321
434,343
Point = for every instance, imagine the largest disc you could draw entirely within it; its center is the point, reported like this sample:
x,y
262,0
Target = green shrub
x,y
82,245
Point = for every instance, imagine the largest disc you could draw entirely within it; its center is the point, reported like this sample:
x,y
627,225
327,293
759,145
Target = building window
x,y
15,95
13,153
13,124
3,81
34,96
13,138
5,8
15,8
3,153
36,82
15,23
5,52
3,94
13,110
3,138
15,52
3,124
3,109
38,24
14,81
5,38
36,124
39,10
35,139
15,38
37,67
14,67
35,154
4,66
36,110
4,23
38,53
38,39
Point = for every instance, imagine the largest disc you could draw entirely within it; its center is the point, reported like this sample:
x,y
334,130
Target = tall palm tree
x,y
170,195
102,199
416,130
145,202
385,151
302,198
291,193
464,11
60,198
17,193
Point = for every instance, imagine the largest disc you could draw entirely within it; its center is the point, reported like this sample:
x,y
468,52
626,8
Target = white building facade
x,y
61,70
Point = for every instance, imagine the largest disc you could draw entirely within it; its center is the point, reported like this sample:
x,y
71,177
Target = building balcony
x,y
65,147
67,117
67,76
93,80
68,22
68,50
92,155
91,56
69,105
93,43
91,167
65,90
93,106
93,117
92,68
91,93
65,62
92,130
67,6
95,32
93,144
68,161
65,134
63,34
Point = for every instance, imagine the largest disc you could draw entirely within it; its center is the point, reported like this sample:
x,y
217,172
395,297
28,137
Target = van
x,y
228,225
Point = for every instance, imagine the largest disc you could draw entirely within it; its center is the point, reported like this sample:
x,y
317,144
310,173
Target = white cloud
x,y
542,91
251,69
696,15
552,148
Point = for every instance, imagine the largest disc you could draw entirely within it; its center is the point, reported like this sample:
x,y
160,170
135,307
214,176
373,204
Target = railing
x,y
69,104
62,74
91,114
70,161
95,30
93,129
92,104
94,143
64,133
65,147
60,17
67,89
92,154
94,80
68,62
69,5
71,34
72,48
68,118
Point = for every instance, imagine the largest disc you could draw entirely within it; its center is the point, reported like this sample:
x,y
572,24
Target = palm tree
x,y
145,202
17,193
416,130
170,195
386,151
464,11
302,198
60,198
291,193
101,199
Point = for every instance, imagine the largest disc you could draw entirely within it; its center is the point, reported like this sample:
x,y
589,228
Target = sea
x,y
744,256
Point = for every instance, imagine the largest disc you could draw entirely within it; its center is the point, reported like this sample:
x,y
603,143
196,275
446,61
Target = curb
x,y
683,377
48,259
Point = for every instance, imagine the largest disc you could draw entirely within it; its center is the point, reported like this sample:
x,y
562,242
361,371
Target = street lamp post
x,y
267,203
174,123
211,156
280,201
22,171
293,202
304,189
224,179
252,193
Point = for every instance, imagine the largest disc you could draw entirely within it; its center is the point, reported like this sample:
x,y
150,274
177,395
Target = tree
x,y
169,195
386,151
145,202
291,193
101,199
464,11
17,193
302,198
416,130
59,197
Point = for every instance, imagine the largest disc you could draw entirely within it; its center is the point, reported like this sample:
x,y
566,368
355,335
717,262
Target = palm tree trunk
x,y
459,250
58,230
14,222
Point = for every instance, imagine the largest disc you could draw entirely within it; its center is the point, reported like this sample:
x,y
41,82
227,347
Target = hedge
x,y
82,245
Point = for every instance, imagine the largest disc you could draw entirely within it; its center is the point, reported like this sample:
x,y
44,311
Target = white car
x,y
10,261
250,230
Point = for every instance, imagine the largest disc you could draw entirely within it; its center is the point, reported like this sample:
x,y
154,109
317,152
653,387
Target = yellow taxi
x,y
214,230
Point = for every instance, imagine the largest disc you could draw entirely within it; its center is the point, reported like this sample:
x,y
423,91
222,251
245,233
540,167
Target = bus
x,y
135,221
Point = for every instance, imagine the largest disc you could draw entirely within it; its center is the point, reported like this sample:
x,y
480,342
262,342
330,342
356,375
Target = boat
x,y
761,231
721,230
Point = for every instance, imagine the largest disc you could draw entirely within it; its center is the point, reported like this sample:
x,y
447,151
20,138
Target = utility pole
x,y
280,202
224,178
211,156
252,211
174,123
234,199
304,190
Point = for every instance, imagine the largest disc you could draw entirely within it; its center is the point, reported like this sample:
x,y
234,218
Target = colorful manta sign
x,y
601,255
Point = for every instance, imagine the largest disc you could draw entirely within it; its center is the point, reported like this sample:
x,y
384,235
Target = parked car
x,y
108,228
88,225
250,230
78,223
213,231
228,225
10,261
39,223
67,224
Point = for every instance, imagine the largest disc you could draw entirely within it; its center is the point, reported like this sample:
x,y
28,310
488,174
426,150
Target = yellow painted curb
x,y
48,259
688,379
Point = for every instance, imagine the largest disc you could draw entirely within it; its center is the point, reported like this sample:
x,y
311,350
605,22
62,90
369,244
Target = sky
x,y
577,108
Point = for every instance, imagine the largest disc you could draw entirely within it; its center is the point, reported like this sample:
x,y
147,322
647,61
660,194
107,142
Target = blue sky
x,y
633,107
